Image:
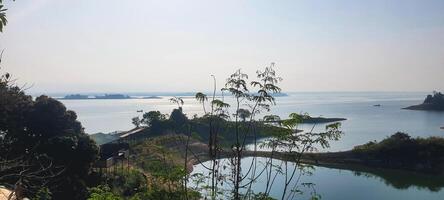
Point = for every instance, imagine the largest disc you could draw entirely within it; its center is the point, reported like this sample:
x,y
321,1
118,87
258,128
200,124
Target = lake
x,y
337,184
365,122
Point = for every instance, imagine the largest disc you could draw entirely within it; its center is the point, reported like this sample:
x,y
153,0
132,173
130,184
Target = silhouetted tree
x,y
178,101
152,117
31,128
136,121
244,114
178,119
202,98
3,20
435,101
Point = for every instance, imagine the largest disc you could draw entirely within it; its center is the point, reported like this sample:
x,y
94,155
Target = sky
x,y
175,46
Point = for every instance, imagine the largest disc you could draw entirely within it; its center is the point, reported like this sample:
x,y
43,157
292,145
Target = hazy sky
x,y
142,46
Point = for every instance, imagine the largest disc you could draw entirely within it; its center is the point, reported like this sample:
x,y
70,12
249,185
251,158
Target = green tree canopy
x,y
31,128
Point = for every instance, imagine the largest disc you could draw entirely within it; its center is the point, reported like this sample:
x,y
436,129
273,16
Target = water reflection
x,y
403,180
356,182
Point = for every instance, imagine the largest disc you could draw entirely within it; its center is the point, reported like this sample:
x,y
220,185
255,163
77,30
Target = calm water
x,y
365,122
336,184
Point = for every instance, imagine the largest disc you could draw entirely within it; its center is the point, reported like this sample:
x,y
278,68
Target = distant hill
x,y
432,102
102,138
76,96
112,96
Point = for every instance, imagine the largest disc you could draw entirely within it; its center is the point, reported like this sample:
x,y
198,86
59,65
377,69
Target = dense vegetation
x,y
437,100
42,143
159,124
400,151
45,154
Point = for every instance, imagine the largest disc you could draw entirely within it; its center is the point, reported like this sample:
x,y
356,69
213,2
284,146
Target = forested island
x,y
106,96
112,96
152,97
315,120
433,102
76,96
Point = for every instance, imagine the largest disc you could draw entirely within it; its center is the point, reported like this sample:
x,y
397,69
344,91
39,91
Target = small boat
x,y
139,110
377,105
442,127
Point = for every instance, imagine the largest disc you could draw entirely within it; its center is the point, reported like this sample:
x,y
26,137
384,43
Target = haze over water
x,y
364,123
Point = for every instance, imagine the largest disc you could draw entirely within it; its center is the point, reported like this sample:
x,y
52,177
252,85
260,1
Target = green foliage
x,y
291,141
152,117
243,114
201,97
400,150
103,192
272,118
127,183
163,194
159,158
43,194
226,128
156,121
44,127
237,85
132,185
267,85
178,120
178,101
161,170
3,20
293,121
261,196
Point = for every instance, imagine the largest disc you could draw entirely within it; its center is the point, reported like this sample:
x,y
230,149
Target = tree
x,y
102,192
251,98
178,119
136,121
435,101
25,179
43,194
201,98
178,101
3,20
155,120
152,117
297,143
244,114
32,128
428,99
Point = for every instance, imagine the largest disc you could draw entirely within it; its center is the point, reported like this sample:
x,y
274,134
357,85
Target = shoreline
x,y
423,107
335,160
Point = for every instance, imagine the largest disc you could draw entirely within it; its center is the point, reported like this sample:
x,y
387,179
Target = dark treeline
x,y
400,151
42,145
